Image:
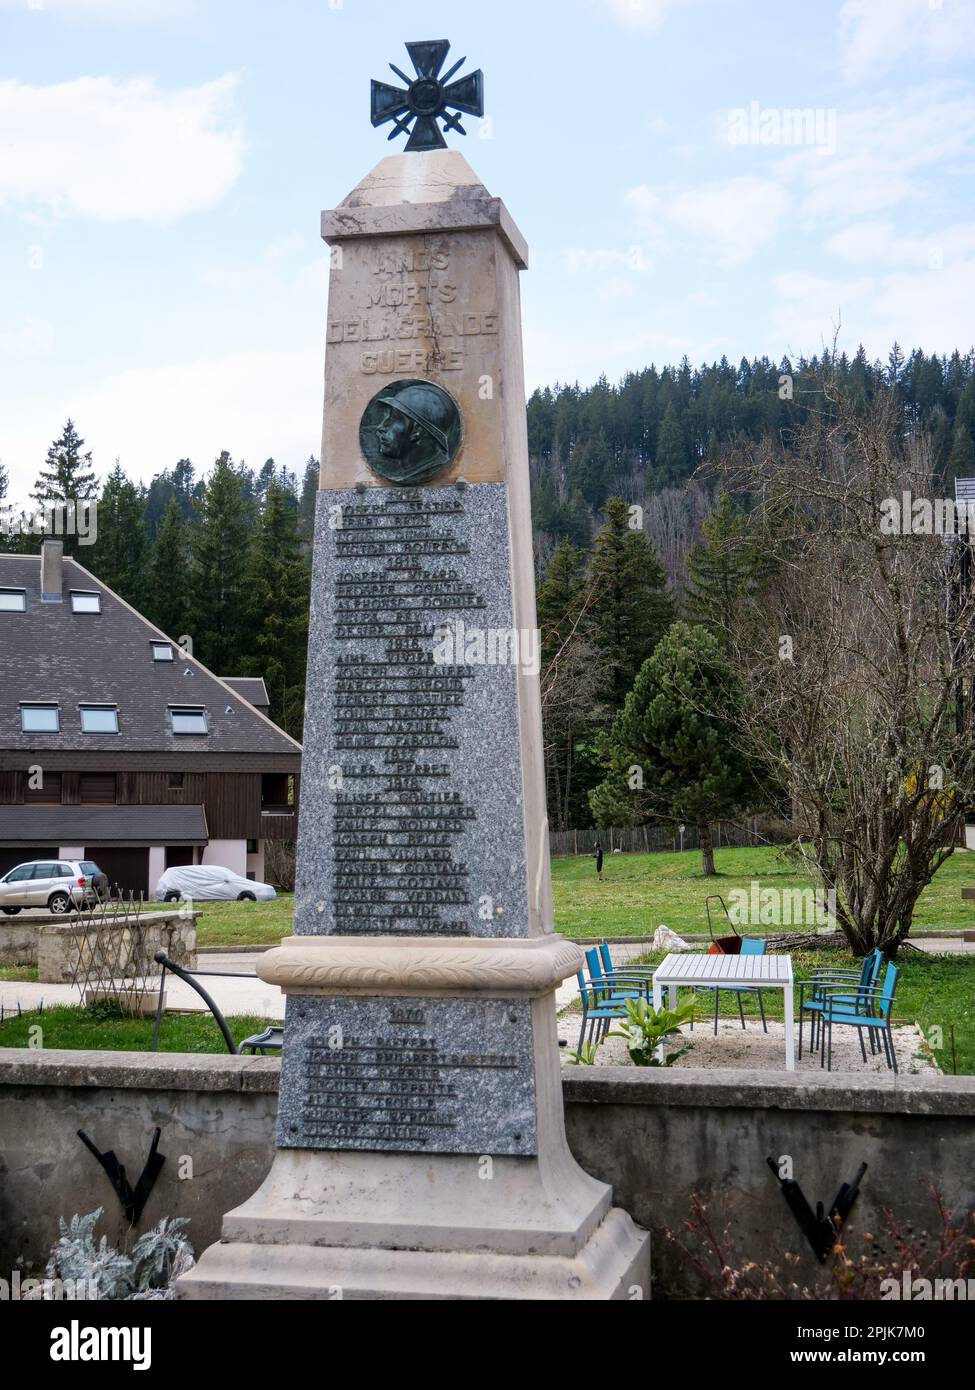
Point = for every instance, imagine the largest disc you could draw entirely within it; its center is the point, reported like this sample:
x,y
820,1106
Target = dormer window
x,y
188,719
83,601
163,651
40,719
99,719
13,600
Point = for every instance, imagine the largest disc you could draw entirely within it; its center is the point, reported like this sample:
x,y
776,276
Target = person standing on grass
x,y
597,853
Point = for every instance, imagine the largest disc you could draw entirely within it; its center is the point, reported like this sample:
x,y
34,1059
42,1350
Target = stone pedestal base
x,y
613,1264
369,1225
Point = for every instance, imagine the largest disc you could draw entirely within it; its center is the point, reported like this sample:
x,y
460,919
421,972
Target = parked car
x,y
57,884
209,882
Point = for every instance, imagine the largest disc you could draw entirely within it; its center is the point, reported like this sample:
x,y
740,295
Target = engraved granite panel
x,y
411,805
411,1074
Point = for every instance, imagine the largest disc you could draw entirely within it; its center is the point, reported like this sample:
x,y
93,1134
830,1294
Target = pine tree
x,y
68,476
672,752
670,459
183,482
167,601
569,680
308,500
120,553
725,566
631,608
591,469
279,581
220,538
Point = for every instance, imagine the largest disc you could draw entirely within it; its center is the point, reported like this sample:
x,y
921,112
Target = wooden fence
x,y
648,839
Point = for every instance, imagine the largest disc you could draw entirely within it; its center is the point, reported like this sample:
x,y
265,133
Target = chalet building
x,y
116,746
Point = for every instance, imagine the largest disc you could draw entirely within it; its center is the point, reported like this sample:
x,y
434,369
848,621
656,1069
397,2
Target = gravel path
x,y
751,1048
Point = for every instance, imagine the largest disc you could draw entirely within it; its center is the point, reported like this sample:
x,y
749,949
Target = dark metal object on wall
x,y
428,98
133,1199
410,431
820,1230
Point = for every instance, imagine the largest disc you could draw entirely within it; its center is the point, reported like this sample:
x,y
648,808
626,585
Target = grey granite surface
x,y
434,844
411,1074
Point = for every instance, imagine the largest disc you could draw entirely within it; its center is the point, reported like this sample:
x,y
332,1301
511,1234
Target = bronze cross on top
x,y
428,97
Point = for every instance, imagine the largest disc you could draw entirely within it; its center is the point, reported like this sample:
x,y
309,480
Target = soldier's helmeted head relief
x,y
410,431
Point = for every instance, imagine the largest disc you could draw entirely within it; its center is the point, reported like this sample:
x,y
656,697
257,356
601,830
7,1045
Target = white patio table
x,y
687,969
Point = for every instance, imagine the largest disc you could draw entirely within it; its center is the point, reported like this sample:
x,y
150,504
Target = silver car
x,y
57,884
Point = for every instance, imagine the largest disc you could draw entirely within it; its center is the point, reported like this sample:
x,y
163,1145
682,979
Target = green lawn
x,y
640,892
102,1029
246,924
19,973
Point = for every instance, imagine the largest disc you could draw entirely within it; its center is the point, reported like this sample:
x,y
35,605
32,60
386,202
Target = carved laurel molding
x,y
332,964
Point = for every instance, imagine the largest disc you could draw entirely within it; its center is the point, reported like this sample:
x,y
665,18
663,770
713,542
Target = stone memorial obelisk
x,y
421,1150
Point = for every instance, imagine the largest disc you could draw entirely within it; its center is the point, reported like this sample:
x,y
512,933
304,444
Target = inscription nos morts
x,y
413,1075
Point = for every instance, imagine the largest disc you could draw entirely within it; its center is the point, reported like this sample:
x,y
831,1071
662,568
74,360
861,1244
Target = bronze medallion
x,y
410,431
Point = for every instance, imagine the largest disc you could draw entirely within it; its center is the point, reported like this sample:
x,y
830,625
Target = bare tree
x,y
857,654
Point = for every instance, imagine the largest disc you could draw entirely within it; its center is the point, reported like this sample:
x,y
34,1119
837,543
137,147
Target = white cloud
x,y
877,34
729,221
255,404
811,307
258,405
119,150
925,308
646,15
886,152
878,244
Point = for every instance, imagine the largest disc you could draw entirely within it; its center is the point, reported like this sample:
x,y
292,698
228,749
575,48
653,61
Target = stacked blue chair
x,y
826,979
604,996
870,1009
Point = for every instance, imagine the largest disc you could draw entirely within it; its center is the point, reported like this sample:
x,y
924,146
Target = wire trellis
x,y
115,961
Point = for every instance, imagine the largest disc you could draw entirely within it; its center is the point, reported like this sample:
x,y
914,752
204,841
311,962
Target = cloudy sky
x,y
163,164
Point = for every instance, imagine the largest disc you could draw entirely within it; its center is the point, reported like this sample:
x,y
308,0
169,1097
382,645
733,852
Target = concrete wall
x,y
658,1136
216,1113
655,1136
157,866
18,940
229,854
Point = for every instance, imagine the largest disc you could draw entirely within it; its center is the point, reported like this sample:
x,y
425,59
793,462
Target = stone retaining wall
x,y
54,944
656,1136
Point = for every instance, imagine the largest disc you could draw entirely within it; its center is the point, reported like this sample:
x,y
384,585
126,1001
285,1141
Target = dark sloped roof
x,y
109,825
250,688
52,654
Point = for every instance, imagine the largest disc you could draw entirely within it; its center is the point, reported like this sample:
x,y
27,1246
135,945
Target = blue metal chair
x,y
750,946
869,1008
599,1008
621,983
622,972
851,980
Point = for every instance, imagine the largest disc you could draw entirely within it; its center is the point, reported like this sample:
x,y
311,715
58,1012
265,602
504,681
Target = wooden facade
x,y
238,805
